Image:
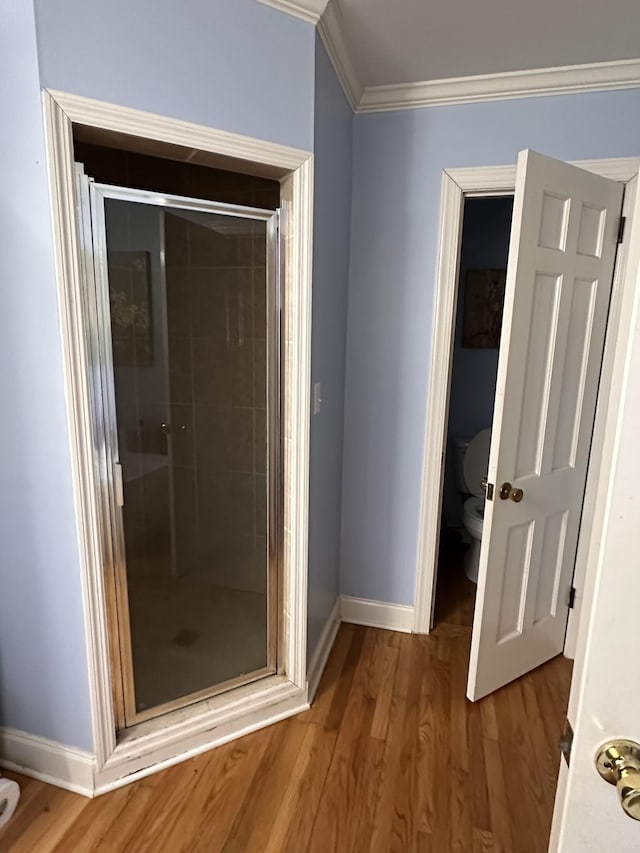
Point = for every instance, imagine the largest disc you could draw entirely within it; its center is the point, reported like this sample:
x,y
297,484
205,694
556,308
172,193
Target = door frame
x,y
153,745
457,185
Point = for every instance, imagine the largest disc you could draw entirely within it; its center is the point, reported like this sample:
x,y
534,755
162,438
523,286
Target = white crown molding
x,y
306,10
331,32
560,80
568,79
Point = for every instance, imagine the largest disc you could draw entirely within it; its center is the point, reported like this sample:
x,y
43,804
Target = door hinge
x,y
566,741
621,225
572,598
487,488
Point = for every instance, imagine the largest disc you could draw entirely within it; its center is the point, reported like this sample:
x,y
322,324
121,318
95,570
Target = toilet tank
x,y
459,449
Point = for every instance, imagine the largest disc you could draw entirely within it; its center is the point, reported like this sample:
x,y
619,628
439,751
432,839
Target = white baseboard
x,y
319,659
75,770
358,611
377,614
47,760
108,779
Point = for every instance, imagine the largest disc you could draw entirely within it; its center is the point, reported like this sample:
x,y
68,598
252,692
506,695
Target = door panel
x,y
605,690
560,269
190,372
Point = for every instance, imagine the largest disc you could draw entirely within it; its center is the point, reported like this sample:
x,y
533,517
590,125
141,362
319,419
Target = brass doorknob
x,y
507,492
618,762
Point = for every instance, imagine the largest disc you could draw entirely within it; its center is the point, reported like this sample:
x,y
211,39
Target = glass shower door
x,y
189,322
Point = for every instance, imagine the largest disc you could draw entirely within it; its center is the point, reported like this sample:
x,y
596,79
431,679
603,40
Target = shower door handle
x,y
118,486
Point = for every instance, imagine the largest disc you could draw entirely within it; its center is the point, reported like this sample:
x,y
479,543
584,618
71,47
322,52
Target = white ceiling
x,y
405,41
398,54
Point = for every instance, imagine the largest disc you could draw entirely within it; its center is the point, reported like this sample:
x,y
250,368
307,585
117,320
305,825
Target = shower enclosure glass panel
x,y
189,318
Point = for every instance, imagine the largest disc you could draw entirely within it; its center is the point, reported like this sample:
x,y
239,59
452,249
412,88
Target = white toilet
x,y
471,463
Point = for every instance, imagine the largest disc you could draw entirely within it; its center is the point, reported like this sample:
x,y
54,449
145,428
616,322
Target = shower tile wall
x,y
217,358
217,369
139,373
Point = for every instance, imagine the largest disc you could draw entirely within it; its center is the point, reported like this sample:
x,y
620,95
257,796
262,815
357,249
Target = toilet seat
x,y
474,464
476,461
473,515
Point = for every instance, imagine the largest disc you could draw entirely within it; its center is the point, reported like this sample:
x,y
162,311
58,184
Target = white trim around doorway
x,y
458,184
178,735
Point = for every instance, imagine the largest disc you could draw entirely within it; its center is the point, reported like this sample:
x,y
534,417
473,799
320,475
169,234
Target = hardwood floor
x,y
391,757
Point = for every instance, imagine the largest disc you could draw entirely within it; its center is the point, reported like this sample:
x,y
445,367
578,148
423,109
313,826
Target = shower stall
x,y
183,313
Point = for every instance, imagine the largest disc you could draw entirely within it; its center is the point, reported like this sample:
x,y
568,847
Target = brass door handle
x,y
618,762
507,492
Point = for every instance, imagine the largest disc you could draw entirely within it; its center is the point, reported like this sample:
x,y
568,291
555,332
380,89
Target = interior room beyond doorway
x,y
480,295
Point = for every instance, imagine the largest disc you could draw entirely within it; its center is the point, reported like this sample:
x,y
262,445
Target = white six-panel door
x,y
605,689
561,257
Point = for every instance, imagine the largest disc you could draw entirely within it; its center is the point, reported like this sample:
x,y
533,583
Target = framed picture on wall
x,y
482,312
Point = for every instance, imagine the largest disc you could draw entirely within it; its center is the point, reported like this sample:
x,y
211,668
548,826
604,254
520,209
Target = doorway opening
x,y
565,234
486,230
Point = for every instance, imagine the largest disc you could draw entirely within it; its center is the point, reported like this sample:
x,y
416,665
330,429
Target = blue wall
x,y
485,245
43,670
332,213
233,64
398,163
236,65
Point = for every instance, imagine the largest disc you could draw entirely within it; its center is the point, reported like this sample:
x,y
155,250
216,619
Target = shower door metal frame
x,y
97,314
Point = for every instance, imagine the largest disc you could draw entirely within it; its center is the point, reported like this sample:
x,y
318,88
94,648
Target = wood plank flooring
x,y
391,757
